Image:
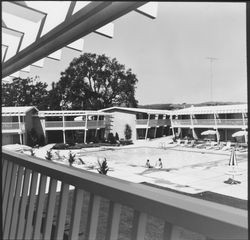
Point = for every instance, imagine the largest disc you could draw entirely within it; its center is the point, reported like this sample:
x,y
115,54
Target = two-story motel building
x,y
224,119
61,126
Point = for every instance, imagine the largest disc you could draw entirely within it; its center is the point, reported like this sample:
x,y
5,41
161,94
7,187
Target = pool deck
x,y
192,178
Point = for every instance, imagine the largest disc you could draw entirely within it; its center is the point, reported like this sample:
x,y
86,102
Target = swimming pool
x,y
184,170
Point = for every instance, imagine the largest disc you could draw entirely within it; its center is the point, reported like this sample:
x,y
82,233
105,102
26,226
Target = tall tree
x,y
25,92
95,81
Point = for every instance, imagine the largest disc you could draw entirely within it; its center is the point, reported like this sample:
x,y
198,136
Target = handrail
x,y
210,219
12,126
208,122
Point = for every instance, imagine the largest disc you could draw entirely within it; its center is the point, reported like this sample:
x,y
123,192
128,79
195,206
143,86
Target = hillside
x,y
170,106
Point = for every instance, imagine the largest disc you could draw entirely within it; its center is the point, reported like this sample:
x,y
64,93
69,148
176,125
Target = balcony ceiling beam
x,y
87,20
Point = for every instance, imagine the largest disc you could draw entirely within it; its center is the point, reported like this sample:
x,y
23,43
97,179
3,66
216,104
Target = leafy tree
x,y
128,132
25,92
95,81
103,167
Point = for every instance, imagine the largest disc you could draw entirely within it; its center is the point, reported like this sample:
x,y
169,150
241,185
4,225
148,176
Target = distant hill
x,y
171,106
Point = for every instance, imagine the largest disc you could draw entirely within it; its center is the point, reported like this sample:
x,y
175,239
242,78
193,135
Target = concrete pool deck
x,y
192,174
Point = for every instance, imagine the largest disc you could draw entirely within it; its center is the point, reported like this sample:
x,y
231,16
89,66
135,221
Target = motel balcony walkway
x,y
91,124
230,123
8,127
26,216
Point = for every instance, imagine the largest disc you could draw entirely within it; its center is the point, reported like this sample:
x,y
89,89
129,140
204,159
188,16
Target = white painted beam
x,y
149,9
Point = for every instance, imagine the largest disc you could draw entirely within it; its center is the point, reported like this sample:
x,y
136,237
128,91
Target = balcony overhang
x,y
87,20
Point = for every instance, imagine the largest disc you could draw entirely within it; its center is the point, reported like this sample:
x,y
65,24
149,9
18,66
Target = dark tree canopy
x,y
24,92
95,81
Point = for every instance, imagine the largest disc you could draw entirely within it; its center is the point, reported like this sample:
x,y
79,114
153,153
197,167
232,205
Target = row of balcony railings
x,y
210,122
47,200
13,126
153,122
80,124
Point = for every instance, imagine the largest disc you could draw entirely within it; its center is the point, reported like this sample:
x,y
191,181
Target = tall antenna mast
x,y
211,59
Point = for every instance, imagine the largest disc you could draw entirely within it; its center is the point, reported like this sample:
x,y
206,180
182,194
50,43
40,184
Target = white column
x,y
172,125
244,126
97,122
147,127
86,125
216,128
64,137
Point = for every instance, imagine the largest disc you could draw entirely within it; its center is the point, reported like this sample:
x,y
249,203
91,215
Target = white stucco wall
x,y
119,120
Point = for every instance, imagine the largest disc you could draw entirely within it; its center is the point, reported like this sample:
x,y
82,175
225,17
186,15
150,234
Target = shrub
x,y
72,158
32,153
103,167
49,155
111,138
128,132
60,146
116,136
125,142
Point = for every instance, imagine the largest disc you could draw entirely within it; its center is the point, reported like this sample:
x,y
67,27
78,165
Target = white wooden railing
x,y
153,122
13,126
228,122
25,188
76,124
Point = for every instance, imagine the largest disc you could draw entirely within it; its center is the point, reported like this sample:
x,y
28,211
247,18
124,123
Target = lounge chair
x,y
211,145
185,142
191,144
219,146
227,147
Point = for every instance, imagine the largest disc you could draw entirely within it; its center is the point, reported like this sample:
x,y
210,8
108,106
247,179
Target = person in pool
x,y
148,164
158,164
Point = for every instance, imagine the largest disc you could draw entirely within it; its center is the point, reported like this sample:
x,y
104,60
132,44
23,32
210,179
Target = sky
x,y
169,54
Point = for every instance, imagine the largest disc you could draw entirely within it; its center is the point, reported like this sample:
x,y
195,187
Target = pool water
x,y
171,158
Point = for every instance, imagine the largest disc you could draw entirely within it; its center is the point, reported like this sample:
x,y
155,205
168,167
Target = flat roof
x,y
138,110
70,113
15,111
237,108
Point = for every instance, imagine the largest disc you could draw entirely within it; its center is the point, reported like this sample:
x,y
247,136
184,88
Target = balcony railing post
x,y
21,217
76,214
167,231
64,195
113,220
50,208
9,206
39,208
6,190
139,225
93,215
13,224
31,206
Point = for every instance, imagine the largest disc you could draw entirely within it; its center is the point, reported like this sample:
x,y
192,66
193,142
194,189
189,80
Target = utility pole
x,y
211,59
